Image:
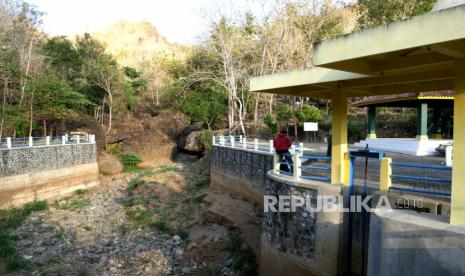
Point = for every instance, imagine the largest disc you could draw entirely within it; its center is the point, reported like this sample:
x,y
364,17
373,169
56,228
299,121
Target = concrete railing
x,y
296,169
387,176
244,143
24,142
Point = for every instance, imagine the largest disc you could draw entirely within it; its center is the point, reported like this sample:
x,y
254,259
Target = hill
x,y
135,42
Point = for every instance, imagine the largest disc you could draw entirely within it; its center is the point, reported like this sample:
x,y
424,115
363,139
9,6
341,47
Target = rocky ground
x,y
160,221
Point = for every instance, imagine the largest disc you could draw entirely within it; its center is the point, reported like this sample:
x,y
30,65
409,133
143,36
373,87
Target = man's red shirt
x,y
282,142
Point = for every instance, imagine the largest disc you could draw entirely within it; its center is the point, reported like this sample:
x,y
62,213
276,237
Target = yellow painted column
x,y
339,162
385,174
457,215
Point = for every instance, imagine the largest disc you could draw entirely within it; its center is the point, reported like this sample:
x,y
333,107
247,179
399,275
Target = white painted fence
x,y
296,153
24,142
244,143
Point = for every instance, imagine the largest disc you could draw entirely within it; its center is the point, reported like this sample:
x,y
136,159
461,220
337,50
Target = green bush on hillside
x,y
130,160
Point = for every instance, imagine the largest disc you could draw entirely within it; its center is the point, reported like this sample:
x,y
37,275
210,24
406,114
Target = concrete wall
x,y
409,243
37,173
240,171
301,242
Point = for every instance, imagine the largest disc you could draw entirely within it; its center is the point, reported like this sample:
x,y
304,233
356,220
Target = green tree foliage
x,y
270,122
63,57
207,106
373,13
54,98
309,114
135,78
284,113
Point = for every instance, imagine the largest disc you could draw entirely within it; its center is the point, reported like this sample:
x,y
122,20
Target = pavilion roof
x,y
409,56
426,43
407,99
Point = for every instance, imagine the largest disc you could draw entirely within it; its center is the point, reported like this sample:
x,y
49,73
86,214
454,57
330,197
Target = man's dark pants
x,y
285,156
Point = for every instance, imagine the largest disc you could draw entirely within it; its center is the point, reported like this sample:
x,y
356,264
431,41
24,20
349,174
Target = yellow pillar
x,y
339,164
385,174
457,215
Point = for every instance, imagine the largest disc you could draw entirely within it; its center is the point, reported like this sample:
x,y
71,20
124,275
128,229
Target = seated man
x,y
282,143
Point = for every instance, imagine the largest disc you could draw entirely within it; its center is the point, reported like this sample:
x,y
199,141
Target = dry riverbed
x,y
161,221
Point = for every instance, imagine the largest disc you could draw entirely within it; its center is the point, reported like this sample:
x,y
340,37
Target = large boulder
x,y
154,146
109,164
123,130
193,142
173,124
182,139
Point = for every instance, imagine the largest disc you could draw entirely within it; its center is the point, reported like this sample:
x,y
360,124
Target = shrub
x,y
10,219
284,113
130,160
270,121
206,139
245,261
134,183
113,150
309,113
14,217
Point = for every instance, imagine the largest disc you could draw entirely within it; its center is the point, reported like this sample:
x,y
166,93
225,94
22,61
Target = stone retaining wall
x,y
45,172
301,242
240,171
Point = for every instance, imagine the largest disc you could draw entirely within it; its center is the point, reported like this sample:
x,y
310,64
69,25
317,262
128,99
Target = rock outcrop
x,y
154,139
109,164
154,147
194,143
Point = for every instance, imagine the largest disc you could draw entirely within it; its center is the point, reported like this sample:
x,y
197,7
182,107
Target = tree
x,y
206,106
373,13
64,58
308,114
99,69
52,98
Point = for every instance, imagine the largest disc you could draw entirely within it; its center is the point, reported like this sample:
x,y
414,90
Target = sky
x,y
181,21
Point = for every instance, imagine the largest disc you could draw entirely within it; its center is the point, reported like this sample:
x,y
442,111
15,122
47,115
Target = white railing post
x,y
449,160
222,140
231,140
244,143
63,140
276,162
271,146
297,161
240,139
93,138
255,144
8,142
31,144
213,140
78,139
47,140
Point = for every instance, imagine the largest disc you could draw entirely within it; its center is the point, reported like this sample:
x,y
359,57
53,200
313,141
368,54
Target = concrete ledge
x,y
233,184
408,243
20,189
